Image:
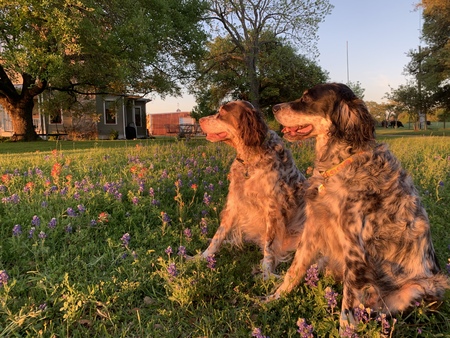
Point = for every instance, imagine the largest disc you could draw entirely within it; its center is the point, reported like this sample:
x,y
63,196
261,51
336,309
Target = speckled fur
x,y
265,200
367,218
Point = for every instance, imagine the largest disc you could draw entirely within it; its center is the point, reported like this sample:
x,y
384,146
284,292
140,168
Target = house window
x,y
56,116
110,110
138,116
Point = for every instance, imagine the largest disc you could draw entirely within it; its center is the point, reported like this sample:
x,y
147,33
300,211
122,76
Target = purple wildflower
x,y
42,235
17,230
93,222
441,183
42,306
188,233
71,212
204,226
165,218
207,198
164,174
81,208
31,232
44,204
76,196
361,314
63,191
168,250
172,270
35,221
182,251
52,223
258,333
125,239
69,229
135,200
312,276
385,326
4,277
211,262
349,332
331,296
15,198
151,192
305,330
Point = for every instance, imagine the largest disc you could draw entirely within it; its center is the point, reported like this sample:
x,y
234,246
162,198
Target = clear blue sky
x,y
379,34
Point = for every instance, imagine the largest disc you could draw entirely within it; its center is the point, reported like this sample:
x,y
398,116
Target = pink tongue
x,y
291,130
305,130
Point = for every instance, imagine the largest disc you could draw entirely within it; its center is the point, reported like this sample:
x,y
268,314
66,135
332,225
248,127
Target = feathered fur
x,y
364,215
265,199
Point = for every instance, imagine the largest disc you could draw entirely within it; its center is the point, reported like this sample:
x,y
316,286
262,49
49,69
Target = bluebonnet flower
x,y
182,251
305,330
2,188
42,306
151,192
204,226
69,229
168,250
385,326
42,235
331,296
164,174
35,221
155,202
258,333
93,222
312,276
63,191
81,208
4,277
52,223
71,212
76,196
172,270
188,233
17,230
165,218
361,315
125,239
44,204
135,200
211,262
207,198
31,232
441,183
349,332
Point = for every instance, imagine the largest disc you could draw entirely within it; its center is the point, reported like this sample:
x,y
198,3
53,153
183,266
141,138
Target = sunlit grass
x,y
93,242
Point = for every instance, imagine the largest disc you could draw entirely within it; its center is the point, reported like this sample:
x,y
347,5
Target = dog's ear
x,y
352,122
252,126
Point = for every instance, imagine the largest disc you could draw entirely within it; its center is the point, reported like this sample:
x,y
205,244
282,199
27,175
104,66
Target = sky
x,y
375,34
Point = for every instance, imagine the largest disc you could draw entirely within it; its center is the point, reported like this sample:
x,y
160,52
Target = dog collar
x,y
333,171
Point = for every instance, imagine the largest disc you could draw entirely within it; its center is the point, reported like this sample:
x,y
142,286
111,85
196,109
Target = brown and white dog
x,y
265,199
362,210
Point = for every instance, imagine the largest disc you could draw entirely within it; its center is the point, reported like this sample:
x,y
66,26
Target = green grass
x,y
83,278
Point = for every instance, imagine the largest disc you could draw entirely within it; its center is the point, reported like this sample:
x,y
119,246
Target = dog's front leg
x,y
226,223
305,254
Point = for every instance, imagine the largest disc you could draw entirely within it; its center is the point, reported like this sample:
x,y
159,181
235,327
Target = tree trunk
x,y
21,113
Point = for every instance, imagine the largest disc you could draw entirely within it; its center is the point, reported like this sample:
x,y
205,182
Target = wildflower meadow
x,y
94,243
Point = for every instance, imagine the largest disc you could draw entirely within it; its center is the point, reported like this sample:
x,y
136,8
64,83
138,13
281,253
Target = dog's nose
x,y
276,108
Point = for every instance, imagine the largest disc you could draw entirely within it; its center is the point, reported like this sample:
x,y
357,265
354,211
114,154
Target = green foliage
x,y
283,74
80,275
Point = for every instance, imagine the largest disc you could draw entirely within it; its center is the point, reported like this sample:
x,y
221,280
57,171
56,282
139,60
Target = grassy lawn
x,y
94,236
